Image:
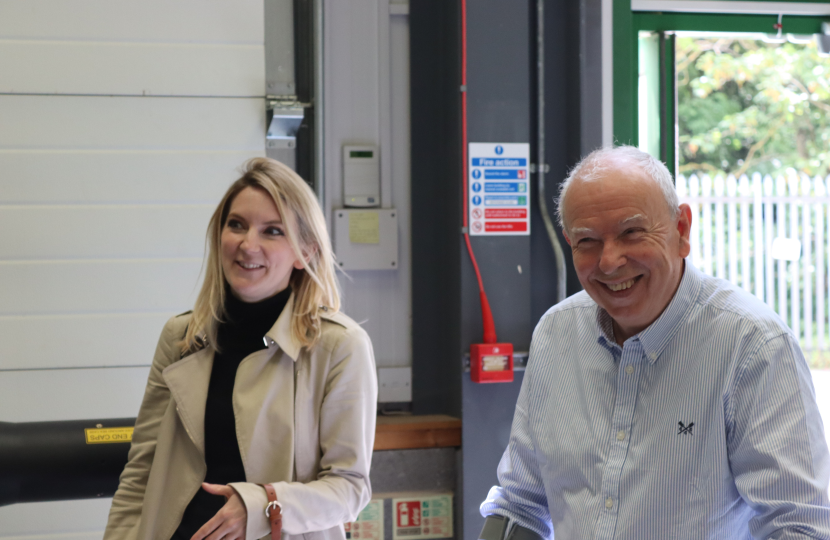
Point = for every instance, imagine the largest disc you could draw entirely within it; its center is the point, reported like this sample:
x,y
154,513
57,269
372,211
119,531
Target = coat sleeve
x,y
347,433
125,512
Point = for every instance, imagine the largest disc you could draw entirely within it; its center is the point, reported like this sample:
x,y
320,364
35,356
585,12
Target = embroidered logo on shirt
x,y
683,429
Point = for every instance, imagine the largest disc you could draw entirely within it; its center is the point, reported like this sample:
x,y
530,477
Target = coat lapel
x,y
188,380
281,334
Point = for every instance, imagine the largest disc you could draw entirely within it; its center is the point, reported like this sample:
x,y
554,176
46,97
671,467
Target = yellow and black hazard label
x,y
108,435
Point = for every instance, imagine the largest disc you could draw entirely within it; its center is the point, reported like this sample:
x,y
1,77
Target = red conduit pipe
x,y
488,325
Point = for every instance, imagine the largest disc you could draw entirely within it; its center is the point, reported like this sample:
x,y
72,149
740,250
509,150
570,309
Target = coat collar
x,y
189,378
281,333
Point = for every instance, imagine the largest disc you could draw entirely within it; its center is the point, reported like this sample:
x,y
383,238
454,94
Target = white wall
x,y
121,124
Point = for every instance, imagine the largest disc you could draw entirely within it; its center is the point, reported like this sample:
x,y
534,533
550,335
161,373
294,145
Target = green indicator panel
x,y
361,154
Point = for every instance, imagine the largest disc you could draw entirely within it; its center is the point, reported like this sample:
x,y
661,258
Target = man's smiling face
x,y
628,249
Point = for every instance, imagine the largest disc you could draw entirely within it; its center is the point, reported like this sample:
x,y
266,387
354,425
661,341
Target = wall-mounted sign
x,y
422,517
499,189
369,523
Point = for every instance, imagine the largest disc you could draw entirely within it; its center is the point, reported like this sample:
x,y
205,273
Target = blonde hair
x,y
315,286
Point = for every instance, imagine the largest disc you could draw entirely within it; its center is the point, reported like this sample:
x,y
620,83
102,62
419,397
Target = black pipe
x,y
55,461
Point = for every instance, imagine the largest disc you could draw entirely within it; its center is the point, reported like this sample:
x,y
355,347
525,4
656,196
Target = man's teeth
x,y
621,286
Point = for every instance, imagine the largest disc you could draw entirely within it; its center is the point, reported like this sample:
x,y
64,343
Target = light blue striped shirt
x,y
703,426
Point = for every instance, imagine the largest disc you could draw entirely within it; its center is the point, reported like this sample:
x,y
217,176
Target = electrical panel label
x,y
422,517
499,189
369,523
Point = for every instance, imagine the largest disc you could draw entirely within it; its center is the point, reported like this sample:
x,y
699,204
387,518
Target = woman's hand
x,y
230,521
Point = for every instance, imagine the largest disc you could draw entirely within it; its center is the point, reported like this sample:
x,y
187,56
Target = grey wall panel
x,y
62,341
71,394
142,69
436,206
69,520
118,176
279,47
103,232
113,286
131,123
366,55
423,469
163,21
488,416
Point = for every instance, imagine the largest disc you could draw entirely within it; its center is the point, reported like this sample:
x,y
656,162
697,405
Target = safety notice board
x,y
499,189
369,524
426,516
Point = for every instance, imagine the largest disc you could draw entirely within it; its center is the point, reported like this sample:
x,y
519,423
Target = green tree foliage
x,y
747,106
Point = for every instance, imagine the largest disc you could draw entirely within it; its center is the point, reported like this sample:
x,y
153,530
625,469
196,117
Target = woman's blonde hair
x,y
315,286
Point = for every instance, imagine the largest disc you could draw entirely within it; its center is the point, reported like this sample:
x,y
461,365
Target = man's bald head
x,y
595,164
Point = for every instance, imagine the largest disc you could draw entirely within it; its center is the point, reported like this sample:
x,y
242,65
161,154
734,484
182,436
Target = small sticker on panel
x,y
364,228
108,435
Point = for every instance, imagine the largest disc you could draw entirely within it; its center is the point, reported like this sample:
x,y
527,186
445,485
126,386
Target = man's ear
x,y
684,227
567,238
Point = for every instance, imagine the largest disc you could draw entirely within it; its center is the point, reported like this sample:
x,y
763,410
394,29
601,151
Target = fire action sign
x,y
499,189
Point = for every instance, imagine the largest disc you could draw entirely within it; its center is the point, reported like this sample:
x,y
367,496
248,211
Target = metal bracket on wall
x,y
285,115
519,361
285,102
543,166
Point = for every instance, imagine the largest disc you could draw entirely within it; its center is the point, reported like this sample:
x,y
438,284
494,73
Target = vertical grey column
x,y
500,37
519,272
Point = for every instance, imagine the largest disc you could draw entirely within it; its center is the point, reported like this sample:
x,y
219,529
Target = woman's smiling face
x,y
257,257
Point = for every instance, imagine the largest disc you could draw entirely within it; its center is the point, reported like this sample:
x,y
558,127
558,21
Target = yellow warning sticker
x,y
108,435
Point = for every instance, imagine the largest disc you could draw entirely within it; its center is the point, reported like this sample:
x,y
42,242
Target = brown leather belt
x,y
273,512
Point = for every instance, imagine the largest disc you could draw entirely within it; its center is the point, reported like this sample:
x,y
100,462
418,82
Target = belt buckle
x,y
269,506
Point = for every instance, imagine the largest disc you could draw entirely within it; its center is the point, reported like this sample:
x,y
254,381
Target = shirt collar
x,y
657,336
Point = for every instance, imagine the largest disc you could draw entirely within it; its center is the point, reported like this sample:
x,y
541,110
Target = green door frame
x,y
628,24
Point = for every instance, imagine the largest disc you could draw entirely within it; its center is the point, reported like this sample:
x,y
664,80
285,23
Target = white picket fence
x,y
734,225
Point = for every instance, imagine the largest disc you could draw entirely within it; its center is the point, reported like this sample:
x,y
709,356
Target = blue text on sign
x,y
505,187
499,162
507,174
505,200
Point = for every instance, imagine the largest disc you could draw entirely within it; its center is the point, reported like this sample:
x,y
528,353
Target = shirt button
x,y
609,503
621,435
629,369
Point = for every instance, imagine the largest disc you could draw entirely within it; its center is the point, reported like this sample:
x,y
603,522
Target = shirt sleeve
x,y
520,497
347,433
777,449
125,512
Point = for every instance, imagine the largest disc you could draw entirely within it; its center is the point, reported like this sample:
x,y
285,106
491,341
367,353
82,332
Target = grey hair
x,y
596,163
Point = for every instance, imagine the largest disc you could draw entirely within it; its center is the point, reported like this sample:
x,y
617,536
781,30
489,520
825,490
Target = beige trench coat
x,y
305,422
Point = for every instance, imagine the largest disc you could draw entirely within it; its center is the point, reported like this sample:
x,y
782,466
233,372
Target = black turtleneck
x,y
237,338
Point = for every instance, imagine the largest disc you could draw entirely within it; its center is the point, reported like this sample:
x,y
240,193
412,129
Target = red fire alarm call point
x,y
491,362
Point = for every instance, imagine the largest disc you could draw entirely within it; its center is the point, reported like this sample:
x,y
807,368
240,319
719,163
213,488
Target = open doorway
x,y
753,161
738,107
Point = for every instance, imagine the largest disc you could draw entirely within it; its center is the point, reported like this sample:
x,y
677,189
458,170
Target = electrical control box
x,y
361,176
491,362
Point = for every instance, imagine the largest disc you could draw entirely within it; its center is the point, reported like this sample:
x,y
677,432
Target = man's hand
x,y
230,521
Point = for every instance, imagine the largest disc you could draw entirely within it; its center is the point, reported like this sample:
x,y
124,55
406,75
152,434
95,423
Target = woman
x,y
264,382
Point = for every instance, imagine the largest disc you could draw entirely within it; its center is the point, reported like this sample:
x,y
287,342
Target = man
x,y
659,402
